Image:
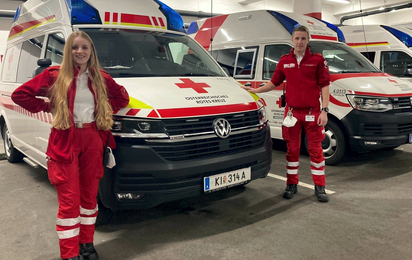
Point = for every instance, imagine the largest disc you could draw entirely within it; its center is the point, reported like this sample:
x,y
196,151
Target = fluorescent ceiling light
x,y
340,1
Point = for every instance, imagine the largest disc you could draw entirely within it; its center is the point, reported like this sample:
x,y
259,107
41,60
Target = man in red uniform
x,y
308,79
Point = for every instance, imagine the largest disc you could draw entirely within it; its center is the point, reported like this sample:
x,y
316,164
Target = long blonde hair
x,y
58,92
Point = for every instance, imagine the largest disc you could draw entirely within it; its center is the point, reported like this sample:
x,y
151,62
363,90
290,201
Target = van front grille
x,y
208,147
387,129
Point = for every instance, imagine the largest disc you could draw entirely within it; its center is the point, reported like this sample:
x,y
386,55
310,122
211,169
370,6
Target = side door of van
x,y
53,50
270,56
20,63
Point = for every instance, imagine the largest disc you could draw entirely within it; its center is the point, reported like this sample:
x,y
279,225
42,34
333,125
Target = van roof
x,y
152,15
377,35
246,27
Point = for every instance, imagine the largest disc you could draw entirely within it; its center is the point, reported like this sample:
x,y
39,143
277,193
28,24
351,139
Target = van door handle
x,y
247,84
262,84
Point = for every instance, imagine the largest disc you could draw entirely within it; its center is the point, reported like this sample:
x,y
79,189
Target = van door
x,y
271,56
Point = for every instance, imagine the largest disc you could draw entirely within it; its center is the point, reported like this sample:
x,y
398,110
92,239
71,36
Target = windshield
x,y
342,58
136,53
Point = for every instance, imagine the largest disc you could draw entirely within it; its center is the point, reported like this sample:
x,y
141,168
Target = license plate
x,y
410,138
226,180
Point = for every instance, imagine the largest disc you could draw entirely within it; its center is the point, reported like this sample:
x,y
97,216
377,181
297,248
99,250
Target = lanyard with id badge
x,y
310,117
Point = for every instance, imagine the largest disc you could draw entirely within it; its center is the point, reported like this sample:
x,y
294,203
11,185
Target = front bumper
x,y
370,131
140,170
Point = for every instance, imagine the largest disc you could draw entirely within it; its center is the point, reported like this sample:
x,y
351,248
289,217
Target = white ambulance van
x,y
368,109
388,47
189,129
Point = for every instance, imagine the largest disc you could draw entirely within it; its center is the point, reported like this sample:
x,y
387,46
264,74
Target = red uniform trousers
x,y
314,135
77,185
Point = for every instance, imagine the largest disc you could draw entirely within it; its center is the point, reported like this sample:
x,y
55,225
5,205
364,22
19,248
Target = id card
x,y
310,118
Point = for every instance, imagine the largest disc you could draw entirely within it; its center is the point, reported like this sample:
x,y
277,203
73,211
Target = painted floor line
x,y
309,186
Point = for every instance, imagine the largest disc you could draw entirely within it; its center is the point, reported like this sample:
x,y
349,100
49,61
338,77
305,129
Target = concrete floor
x,y
368,217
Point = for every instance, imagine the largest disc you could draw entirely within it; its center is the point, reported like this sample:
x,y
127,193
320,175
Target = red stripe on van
x,y
132,112
115,17
107,16
323,37
206,111
334,77
382,95
206,32
161,22
155,21
355,44
135,19
333,100
28,25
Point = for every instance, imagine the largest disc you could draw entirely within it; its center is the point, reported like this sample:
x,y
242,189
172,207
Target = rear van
x,y
189,129
388,47
368,109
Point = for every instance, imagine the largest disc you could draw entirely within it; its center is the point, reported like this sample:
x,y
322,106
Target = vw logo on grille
x,y
222,127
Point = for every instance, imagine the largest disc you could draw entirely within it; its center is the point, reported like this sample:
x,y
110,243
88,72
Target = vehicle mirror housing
x,y
408,70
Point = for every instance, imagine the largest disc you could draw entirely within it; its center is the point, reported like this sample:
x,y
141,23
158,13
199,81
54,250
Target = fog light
x,y
129,196
371,143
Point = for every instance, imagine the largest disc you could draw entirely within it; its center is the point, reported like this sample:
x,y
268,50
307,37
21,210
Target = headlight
x,y
373,104
137,126
262,115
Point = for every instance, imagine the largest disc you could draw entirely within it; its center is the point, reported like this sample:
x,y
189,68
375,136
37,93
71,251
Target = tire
x,y
12,154
105,215
334,145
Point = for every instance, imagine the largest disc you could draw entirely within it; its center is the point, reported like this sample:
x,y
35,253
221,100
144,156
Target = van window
x,y
243,58
54,49
271,58
370,55
341,58
138,53
30,53
10,63
395,62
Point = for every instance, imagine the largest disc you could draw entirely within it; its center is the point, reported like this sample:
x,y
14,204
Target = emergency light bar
x,y
82,12
403,37
287,22
174,20
333,27
17,14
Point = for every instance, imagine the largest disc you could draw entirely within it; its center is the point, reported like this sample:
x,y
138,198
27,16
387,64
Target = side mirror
x,y
43,64
408,70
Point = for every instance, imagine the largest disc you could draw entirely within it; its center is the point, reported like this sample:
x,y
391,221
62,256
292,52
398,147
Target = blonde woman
x,y
82,100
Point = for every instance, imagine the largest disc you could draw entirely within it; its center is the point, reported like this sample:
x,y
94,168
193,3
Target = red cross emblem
x,y
198,87
279,102
392,80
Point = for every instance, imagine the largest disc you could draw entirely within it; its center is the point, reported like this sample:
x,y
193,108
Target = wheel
x,y
334,145
12,154
104,215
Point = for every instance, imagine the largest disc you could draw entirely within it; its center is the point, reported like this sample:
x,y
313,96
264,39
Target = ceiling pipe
x,y
385,10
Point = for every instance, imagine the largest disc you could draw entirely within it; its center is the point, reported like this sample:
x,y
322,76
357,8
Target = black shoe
x,y
290,191
321,194
88,252
73,258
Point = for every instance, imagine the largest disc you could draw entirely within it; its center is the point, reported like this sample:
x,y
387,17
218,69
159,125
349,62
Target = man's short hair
x,y
301,28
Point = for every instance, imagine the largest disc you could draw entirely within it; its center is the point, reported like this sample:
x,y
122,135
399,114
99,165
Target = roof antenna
x,y
364,33
211,27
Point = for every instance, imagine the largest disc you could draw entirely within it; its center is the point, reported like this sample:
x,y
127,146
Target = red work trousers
x,y
77,185
308,120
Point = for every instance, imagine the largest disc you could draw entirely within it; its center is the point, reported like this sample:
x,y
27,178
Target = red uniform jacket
x,y
303,81
59,146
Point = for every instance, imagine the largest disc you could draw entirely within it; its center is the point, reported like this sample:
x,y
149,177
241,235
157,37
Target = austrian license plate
x,y
226,180
410,138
